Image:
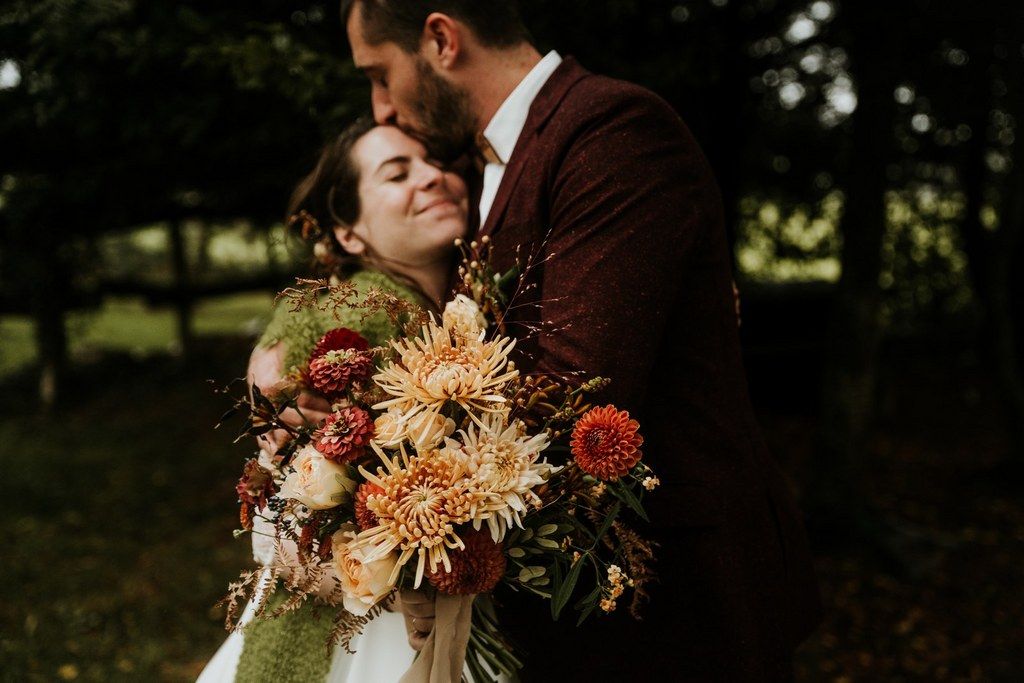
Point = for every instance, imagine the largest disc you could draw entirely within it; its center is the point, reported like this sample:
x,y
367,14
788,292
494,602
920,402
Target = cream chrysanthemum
x,y
441,366
422,499
502,459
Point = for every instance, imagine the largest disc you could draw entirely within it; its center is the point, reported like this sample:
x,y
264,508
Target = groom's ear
x,y
442,40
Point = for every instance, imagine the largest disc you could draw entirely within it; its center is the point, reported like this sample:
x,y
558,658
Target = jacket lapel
x,y
544,105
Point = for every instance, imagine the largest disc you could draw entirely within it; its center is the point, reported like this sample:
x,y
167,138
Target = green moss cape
x,y
292,648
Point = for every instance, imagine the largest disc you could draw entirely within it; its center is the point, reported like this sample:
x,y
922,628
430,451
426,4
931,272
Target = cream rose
x,y
389,429
426,430
363,584
462,315
316,482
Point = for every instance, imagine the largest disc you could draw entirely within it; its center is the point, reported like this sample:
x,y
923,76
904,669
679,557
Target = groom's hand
x,y
417,606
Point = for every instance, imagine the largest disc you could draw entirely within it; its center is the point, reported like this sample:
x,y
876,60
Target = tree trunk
x,y
51,340
836,496
183,298
990,254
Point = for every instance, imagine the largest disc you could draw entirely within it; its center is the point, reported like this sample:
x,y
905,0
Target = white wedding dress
x,y
382,651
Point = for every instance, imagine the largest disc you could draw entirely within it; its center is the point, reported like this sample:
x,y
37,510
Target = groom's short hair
x,y
496,23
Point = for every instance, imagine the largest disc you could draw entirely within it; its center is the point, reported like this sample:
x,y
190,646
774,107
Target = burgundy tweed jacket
x,y
632,282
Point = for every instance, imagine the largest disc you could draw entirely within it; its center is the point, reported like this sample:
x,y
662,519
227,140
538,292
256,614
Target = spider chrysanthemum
x,y
440,366
503,460
423,498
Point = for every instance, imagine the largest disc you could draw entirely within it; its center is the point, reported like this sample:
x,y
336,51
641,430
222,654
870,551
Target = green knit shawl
x,y
301,330
291,648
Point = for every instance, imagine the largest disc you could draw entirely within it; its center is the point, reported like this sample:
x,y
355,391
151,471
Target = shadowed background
x,y
870,158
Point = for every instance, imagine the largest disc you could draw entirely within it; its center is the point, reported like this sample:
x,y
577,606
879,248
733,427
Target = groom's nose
x,y
383,111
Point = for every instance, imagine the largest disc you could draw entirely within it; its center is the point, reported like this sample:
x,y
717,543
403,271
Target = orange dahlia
x,y
366,518
605,443
475,569
344,434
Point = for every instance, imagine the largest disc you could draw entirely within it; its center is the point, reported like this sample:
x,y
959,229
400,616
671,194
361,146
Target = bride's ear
x,y
349,240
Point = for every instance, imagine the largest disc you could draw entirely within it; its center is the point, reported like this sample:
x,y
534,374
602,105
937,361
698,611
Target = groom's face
x,y
407,92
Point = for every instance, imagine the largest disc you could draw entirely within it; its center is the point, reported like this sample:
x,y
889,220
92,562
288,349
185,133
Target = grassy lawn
x,y
117,522
127,324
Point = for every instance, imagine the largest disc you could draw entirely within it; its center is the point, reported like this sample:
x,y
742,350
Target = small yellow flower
x,y
651,483
598,490
608,605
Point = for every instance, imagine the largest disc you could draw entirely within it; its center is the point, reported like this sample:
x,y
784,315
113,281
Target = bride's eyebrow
x,y
393,160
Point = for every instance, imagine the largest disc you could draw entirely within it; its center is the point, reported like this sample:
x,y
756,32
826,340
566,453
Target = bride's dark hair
x,y
330,196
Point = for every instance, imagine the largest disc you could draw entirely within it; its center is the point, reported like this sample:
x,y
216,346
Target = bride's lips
x,y
441,201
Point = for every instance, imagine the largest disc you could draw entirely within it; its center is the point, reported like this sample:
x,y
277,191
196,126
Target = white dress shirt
x,y
507,124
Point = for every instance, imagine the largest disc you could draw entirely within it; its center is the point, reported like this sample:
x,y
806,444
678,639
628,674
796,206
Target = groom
x,y
604,181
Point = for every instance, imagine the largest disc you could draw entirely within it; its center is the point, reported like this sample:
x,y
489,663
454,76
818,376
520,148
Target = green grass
x,y
127,324
117,522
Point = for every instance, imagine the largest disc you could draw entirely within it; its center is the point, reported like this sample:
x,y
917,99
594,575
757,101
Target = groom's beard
x,y
443,114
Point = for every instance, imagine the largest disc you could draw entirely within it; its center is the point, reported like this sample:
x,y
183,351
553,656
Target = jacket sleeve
x,y
631,202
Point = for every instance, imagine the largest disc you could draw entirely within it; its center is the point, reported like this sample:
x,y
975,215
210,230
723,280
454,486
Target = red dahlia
x,y
477,569
344,434
365,518
256,485
605,443
335,371
338,339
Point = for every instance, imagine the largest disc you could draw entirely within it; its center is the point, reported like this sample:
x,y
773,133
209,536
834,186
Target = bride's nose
x,y
430,176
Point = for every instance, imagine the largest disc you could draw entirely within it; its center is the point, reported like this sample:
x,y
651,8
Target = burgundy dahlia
x,y
476,569
335,371
339,339
256,485
344,434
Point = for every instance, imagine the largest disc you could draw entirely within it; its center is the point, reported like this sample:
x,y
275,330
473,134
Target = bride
x,y
390,216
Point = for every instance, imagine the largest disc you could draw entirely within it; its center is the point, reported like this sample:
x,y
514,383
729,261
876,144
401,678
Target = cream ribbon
x,y
444,652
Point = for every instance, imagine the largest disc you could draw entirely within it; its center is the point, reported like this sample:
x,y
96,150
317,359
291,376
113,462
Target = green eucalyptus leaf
x,y
516,552
547,530
629,498
564,591
606,524
527,574
548,543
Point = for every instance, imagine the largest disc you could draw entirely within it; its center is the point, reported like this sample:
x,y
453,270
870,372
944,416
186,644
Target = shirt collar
x,y
507,123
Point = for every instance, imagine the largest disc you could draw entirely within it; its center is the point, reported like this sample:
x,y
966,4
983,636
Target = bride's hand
x,y
265,370
417,606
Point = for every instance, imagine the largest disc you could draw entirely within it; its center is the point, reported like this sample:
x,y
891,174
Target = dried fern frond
x,y
638,554
347,626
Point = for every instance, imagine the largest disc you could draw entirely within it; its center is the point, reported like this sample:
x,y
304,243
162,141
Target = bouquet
x,y
442,464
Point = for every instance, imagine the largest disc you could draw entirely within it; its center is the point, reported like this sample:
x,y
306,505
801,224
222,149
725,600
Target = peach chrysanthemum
x,y
605,443
476,569
422,500
440,366
503,461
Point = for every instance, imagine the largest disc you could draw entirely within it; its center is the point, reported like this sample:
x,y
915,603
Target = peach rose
x,y
363,584
316,482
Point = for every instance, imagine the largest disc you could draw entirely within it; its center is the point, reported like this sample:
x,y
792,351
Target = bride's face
x,y
411,210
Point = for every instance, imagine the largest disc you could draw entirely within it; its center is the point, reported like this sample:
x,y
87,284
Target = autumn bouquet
x,y
442,464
